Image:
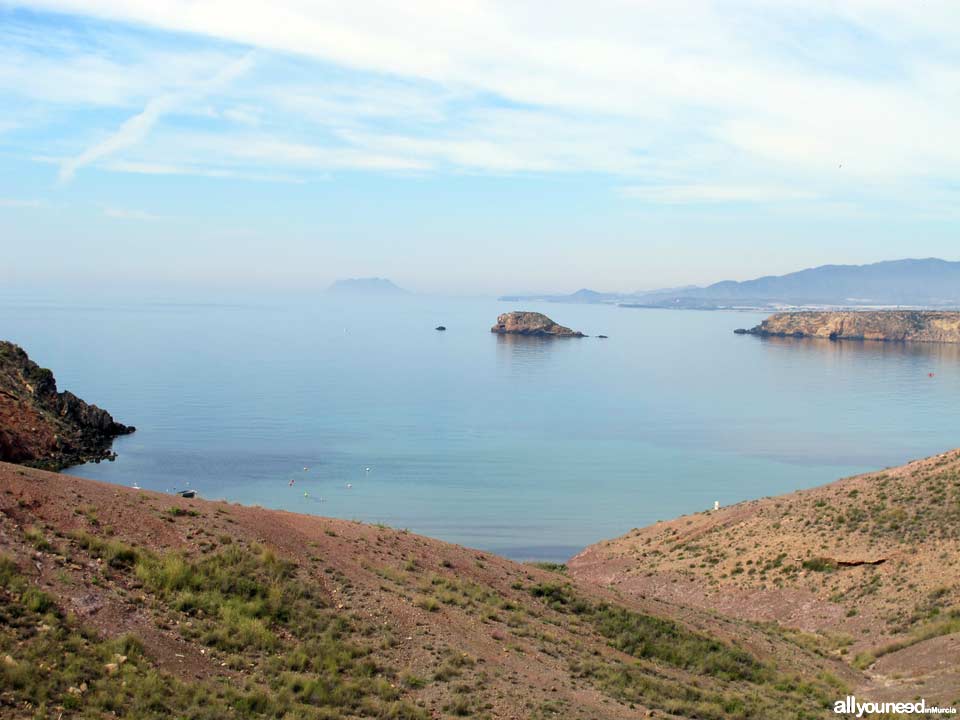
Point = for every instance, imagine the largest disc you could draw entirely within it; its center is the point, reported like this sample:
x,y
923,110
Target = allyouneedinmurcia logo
x,y
850,706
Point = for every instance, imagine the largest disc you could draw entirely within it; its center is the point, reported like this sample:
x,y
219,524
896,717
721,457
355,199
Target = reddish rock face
x,y
531,323
45,428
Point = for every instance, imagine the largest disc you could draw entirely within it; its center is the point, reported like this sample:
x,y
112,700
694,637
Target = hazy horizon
x,y
479,149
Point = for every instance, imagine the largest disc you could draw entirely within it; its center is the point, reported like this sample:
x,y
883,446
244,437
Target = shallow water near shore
x,y
525,447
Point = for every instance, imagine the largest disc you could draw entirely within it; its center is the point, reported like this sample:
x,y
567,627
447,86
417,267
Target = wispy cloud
x,y
18,203
683,102
150,168
136,128
684,194
129,134
128,214
243,115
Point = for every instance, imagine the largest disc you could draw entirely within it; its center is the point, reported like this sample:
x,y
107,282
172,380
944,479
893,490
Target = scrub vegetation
x,y
118,602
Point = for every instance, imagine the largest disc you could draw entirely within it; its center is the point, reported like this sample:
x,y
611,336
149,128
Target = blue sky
x,y
472,147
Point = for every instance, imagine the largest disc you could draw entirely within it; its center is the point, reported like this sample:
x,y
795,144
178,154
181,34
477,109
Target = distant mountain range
x,y
365,286
924,283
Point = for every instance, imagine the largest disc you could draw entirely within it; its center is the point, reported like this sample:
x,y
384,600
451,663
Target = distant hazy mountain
x,y
929,282
585,296
580,296
365,286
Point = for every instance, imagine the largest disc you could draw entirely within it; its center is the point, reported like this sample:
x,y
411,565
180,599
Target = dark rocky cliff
x,y
42,427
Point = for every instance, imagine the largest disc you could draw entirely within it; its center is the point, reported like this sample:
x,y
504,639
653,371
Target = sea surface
x,y
359,409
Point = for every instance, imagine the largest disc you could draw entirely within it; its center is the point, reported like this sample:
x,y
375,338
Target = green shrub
x,y
559,568
740,687
820,564
428,603
117,554
645,636
36,538
37,601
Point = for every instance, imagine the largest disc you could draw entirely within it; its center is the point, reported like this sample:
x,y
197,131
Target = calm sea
x,y
529,448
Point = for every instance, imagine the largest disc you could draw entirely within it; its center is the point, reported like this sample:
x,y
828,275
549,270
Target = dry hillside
x,y
867,568
127,603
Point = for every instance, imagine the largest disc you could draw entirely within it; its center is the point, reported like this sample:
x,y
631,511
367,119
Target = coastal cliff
x,y
884,325
531,323
42,427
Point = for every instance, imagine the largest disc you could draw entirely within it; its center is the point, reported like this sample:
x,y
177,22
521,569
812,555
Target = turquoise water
x,y
530,448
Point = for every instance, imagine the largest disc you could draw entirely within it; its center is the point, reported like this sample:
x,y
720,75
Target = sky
x,y
472,147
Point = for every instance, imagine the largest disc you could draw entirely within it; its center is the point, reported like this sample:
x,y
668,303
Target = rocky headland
x,y
42,427
883,325
531,323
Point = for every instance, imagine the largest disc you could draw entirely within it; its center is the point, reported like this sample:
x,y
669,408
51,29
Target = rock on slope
x,y
531,323
248,613
890,325
45,428
869,565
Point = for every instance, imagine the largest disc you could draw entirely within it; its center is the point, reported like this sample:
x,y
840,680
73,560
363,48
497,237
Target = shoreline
x,y
651,568
443,626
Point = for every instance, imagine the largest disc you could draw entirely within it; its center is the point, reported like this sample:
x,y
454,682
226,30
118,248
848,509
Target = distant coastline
x,y
929,283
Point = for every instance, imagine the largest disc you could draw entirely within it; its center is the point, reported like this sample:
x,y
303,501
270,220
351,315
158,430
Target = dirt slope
x,y
869,566
255,613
